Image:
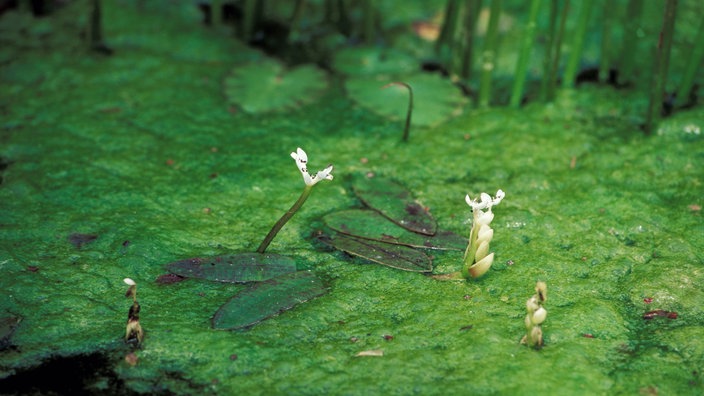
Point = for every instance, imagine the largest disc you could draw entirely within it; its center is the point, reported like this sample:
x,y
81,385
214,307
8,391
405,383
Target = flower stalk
x,y
535,317
477,259
301,159
133,332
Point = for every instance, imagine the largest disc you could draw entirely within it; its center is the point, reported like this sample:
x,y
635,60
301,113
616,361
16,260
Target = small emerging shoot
x,y
477,259
133,333
301,161
535,317
409,112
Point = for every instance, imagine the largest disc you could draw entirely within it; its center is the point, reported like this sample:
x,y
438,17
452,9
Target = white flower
x,y
302,160
485,201
129,281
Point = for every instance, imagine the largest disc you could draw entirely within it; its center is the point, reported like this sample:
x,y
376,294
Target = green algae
x,y
118,147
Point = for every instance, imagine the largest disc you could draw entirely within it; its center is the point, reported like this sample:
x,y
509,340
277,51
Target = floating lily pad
x,y
396,256
394,202
234,268
369,224
265,299
265,86
435,98
366,61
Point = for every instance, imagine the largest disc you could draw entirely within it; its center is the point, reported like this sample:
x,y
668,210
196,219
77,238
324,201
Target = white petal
x,y
485,233
482,251
481,267
484,217
129,281
539,316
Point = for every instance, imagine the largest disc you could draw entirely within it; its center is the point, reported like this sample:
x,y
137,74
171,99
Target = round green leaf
x,y
436,99
266,86
367,61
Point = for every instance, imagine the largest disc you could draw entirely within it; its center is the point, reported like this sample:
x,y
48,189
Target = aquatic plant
x,y
301,159
477,259
133,331
535,317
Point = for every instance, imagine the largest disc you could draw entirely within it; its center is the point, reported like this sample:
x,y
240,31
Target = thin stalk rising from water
x,y
572,67
693,66
284,219
489,54
662,63
549,48
631,37
526,46
557,50
409,112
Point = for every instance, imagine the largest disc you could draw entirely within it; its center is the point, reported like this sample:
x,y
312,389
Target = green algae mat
x,y
113,166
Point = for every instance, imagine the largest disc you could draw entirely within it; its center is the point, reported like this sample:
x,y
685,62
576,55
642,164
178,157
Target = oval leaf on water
x,y
369,224
265,85
394,202
396,256
435,99
265,299
365,61
234,268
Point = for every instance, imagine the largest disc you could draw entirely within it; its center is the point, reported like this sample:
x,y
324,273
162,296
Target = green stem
x,y
409,112
572,67
662,63
630,40
369,20
445,46
471,14
248,21
604,61
471,251
557,50
284,219
549,47
526,46
489,54
694,64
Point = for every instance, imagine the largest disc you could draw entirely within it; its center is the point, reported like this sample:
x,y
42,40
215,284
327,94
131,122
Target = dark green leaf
x,y
369,224
234,268
395,256
265,299
394,202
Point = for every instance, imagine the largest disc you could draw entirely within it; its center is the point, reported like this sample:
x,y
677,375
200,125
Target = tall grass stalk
x,y
662,63
471,14
605,56
693,66
489,54
557,51
631,37
549,48
526,47
572,67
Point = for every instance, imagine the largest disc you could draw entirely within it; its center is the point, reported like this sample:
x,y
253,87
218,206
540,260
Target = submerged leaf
x,y
395,256
436,99
366,61
369,224
394,202
263,300
265,85
234,268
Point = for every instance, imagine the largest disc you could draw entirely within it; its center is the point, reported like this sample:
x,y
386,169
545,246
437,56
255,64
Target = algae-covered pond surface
x,y
113,166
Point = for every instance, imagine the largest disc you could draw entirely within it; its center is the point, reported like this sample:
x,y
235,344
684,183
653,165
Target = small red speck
x,y
233,357
170,162
587,335
467,136
467,297
207,210
672,315
509,262
131,359
364,160
648,300
32,268
695,207
232,110
213,175
388,337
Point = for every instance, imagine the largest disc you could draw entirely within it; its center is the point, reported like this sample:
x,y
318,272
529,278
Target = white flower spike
x,y
301,159
485,201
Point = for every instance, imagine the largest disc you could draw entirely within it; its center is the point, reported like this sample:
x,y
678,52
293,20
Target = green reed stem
x,y
549,48
662,63
605,59
693,66
572,67
526,46
489,54
471,14
284,219
631,38
368,20
557,51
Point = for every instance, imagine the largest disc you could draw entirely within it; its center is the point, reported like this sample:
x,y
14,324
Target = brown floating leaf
x,y
263,300
369,224
234,268
395,256
394,202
